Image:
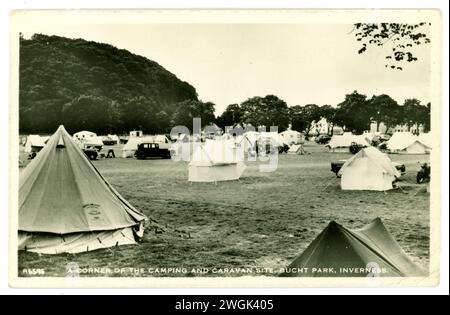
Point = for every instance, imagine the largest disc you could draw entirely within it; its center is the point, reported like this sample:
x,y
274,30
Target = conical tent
x,y
369,169
65,204
340,252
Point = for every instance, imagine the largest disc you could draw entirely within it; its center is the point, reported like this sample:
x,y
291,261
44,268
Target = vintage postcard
x,y
225,148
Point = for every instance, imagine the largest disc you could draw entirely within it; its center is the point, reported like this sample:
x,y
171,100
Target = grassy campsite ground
x,y
263,220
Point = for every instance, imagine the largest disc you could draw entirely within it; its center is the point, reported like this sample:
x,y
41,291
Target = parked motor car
x,y
423,175
90,151
153,150
337,165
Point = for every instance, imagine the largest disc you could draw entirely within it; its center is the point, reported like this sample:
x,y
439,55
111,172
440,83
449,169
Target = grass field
x,y
262,220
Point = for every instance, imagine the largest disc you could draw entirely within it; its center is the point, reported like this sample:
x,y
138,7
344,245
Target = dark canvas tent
x,y
353,253
65,204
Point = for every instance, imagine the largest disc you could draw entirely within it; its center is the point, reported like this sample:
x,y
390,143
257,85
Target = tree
x,y
89,112
384,109
413,112
54,71
188,110
329,113
427,118
162,121
137,113
354,113
230,117
402,37
265,111
303,117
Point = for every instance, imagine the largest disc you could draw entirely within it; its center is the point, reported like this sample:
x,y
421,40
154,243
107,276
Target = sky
x,y
229,63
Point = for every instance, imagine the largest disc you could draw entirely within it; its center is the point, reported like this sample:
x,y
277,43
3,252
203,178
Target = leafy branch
x,y
402,37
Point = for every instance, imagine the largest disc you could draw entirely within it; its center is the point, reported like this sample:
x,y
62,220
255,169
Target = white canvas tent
x,y
296,149
369,169
215,161
407,143
341,143
426,139
35,143
273,138
89,138
67,206
247,142
292,137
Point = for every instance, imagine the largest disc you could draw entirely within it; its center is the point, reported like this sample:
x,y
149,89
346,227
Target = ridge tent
x,y
426,139
292,137
343,142
407,143
369,169
67,206
35,143
273,138
248,142
359,250
215,161
296,149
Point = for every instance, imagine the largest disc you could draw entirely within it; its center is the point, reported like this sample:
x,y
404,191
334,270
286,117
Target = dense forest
x,y
97,87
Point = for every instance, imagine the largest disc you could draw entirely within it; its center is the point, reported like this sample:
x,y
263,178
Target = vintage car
x,y
336,166
151,150
90,151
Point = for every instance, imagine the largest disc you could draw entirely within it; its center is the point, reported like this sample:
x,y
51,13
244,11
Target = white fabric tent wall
x,y
341,143
369,169
75,243
215,161
88,137
34,142
426,139
416,147
114,138
407,143
293,149
272,137
292,137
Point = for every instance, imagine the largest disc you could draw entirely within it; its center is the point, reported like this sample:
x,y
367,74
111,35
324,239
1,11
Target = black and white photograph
x,y
285,147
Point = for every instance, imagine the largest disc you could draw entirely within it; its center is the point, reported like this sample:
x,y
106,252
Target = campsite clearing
x,y
264,220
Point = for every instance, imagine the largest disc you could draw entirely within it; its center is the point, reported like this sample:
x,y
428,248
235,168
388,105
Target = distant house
x,y
416,129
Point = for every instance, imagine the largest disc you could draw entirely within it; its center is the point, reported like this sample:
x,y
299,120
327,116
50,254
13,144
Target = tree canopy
x,y
265,111
89,85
